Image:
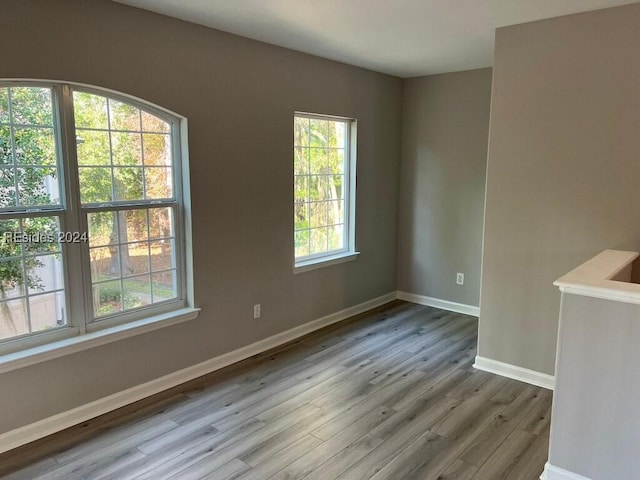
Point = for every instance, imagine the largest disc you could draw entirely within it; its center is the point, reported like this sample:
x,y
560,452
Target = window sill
x,y
305,266
61,348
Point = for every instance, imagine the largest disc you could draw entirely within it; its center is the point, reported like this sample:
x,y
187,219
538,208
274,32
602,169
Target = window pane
x,y
336,237
29,141
7,187
14,320
35,146
136,258
44,273
93,148
337,134
336,160
301,132
133,225
107,298
157,150
133,258
90,111
103,229
8,247
301,215
164,286
31,106
46,311
123,116
317,214
162,255
151,123
95,184
43,229
161,222
158,182
6,151
128,183
137,291
4,105
334,213
319,160
105,263
12,274
301,161
319,133
302,243
318,240
336,186
37,186
301,189
141,163
317,187
126,148
31,286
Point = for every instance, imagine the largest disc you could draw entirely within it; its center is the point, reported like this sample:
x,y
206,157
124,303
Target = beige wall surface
x,y
595,426
444,156
239,97
563,173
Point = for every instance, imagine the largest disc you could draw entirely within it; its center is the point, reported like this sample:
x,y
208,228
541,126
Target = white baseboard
x,y
40,429
513,371
557,473
438,303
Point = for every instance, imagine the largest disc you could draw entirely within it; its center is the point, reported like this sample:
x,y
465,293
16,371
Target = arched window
x,y
92,212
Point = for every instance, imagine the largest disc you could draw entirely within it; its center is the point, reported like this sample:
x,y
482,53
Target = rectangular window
x,y
32,290
91,212
324,188
125,164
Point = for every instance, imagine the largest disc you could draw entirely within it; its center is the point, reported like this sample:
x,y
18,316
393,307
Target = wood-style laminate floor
x,y
392,395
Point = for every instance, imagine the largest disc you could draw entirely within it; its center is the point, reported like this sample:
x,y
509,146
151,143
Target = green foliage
x,y
110,293
111,298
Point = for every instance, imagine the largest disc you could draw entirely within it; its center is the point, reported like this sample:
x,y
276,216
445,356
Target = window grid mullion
x,y
140,205
13,144
308,205
113,177
79,306
143,165
149,241
25,282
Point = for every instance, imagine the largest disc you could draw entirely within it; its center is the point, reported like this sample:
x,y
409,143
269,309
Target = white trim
x,y
438,303
61,348
557,473
47,426
513,371
320,262
606,276
614,293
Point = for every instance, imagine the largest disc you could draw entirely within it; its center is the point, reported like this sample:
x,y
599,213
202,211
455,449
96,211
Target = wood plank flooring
x,y
391,395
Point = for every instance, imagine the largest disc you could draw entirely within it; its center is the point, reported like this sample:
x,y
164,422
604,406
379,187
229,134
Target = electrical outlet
x,y
256,311
460,278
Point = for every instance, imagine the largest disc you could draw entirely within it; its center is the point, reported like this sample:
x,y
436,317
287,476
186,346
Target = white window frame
x,y
349,252
82,329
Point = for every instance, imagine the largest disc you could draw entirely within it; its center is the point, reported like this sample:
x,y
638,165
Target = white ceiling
x,y
406,38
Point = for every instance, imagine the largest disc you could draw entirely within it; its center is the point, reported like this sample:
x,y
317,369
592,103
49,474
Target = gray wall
x,y
563,173
595,425
444,154
239,96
